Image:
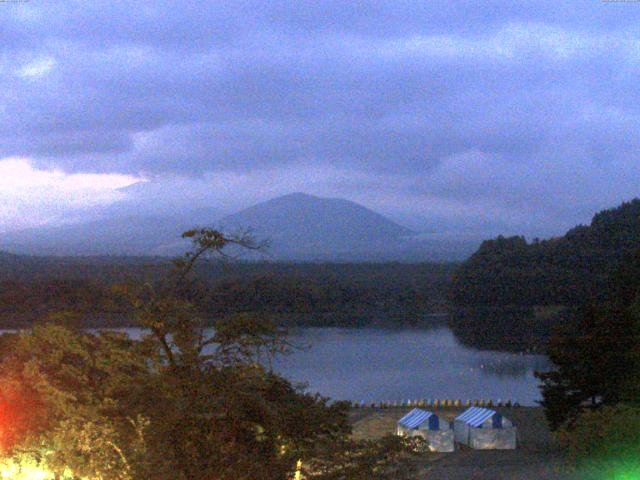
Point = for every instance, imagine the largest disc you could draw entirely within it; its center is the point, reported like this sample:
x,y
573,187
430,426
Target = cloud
x,y
445,110
37,68
31,196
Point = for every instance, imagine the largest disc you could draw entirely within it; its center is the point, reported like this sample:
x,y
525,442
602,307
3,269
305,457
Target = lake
x,y
374,364
378,364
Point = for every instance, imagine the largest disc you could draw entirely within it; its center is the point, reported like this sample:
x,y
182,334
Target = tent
x,y
427,425
484,429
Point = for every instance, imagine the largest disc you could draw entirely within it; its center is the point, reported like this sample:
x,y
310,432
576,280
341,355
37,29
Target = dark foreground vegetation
x,y
76,405
338,294
511,292
592,395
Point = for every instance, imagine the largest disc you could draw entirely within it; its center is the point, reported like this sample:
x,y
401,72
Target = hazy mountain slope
x,y
120,235
297,226
304,226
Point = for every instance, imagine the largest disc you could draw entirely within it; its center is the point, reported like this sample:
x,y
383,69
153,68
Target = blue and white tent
x,y
476,417
482,428
419,419
427,425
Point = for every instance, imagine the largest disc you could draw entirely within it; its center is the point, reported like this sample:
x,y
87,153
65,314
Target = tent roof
x,y
476,416
415,418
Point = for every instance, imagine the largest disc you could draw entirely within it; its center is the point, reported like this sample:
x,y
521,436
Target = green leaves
x,y
69,391
104,406
605,443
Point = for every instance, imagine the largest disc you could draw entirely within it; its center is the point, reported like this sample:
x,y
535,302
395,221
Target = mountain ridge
x,y
301,227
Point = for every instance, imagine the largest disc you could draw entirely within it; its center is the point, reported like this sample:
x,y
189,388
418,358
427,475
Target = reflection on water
x,y
519,366
378,364
513,328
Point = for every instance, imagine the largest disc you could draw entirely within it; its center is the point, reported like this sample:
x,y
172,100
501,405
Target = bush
x,y
605,443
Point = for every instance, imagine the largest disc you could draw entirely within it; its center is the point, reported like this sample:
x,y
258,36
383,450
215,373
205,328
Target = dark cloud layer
x,y
508,109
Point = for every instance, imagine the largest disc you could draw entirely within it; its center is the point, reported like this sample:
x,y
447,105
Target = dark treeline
x,y
334,294
339,294
559,271
518,290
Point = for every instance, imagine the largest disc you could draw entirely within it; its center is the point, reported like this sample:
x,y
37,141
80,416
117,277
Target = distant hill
x,y
560,271
298,227
304,226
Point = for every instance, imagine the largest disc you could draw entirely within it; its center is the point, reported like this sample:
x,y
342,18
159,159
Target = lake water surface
x,y
377,364
373,364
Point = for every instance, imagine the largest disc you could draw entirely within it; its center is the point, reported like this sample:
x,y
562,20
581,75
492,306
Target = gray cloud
x,y
448,109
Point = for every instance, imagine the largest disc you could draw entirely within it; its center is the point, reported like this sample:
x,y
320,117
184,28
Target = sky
x,y
501,117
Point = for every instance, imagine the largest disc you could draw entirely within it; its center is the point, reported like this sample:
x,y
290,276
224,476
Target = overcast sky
x,y
510,116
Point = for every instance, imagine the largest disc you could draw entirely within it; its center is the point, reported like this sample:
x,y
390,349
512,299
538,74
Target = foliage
x,y
176,404
592,357
314,294
509,274
605,443
29,466
387,458
559,271
67,390
596,355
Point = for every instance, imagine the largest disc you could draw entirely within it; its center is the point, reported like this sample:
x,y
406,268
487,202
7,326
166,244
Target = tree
x,y
605,443
593,356
63,398
597,353
180,403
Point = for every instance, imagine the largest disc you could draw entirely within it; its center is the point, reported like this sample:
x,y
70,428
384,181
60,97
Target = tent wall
x,y
438,440
486,437
461,432
493,438
438,434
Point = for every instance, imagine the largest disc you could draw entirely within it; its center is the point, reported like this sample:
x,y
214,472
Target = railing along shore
x,y
437,403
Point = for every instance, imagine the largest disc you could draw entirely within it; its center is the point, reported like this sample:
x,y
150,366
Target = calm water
x,y
374,364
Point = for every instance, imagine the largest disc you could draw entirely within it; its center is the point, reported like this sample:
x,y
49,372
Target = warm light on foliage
x,y
108,407
26,467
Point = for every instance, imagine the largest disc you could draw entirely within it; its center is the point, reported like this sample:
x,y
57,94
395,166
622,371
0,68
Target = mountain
x,y
297,226
560,271
301,226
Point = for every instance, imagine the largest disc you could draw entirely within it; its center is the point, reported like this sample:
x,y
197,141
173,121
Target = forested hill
x,y
560,271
